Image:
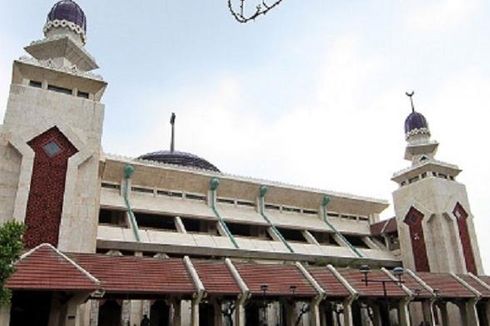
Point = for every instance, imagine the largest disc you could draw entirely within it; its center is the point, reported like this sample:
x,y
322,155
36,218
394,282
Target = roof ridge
x,y
65,257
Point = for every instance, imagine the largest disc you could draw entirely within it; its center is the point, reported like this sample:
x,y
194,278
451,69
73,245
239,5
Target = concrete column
x,y
487,314
404,313
291,312
376,314
177,309
348,319
315,313
195,313
240,313
71,317
444,314
5,315
428,312
469,314
218,316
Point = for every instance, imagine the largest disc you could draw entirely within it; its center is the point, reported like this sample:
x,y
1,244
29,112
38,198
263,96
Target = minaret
x,y
50,141
435,223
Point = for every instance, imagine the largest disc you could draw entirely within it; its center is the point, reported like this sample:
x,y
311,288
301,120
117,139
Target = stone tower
x,y
435,223
50,140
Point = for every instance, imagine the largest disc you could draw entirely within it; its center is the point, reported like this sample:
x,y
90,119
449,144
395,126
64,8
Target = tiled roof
x,y
278,277
476,285
485,279
327,280
382,227
413,285
45,268
373,289
138,275
447,285
216,277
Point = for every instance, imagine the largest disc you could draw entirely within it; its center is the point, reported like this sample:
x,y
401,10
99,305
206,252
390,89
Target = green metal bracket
x,y
325,202
262,192
213,186
128,172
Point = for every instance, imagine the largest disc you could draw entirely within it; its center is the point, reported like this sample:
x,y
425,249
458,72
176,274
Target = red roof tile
x,y
476,285
279,279
485,279
373,289
447,286
138,275
413,285
216,277
327,280
45,268
383,227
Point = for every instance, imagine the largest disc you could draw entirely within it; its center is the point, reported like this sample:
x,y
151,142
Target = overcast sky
x,y
311,94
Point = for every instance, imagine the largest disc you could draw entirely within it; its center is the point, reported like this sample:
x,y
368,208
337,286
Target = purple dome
x,y
68,10
415,121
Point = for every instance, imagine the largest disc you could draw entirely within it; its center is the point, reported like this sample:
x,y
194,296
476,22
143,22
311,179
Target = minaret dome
x,y
66,17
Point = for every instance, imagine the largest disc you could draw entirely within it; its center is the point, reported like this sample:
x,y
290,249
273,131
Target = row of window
x,y
425,175
58,89
231,201
209,227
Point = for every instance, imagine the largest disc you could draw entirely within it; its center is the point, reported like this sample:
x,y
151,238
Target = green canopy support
x,y
128,172
262,192
325,202
213,187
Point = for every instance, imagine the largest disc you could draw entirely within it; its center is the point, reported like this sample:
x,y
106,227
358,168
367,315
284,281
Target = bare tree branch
x,y
260,9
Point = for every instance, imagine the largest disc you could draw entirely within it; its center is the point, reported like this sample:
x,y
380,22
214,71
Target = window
x,y
194,225
324,238
143,190
292,235
356,241
83,94
61,90
154,221
52,148
113,217
35,84
248,230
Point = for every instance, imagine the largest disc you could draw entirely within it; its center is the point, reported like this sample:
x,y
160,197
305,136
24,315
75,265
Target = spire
x,y
411,99
172,139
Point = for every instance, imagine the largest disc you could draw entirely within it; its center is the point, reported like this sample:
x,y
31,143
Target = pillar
x,y
444,314
71,315
240,313
5,314
469,314
195,313
376,314
218,315
315,313
348,319
404,313
291,312
177,310
428,312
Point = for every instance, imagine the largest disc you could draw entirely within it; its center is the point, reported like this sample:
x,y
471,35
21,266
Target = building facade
x,y
168,239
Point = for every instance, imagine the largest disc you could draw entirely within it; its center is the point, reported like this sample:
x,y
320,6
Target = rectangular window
x,y
83,94
225,201
324,238
292,235
143,190
154,221
169,193
113,218
195,197
194,225
35,84
61,90
356,241
245,203
247,230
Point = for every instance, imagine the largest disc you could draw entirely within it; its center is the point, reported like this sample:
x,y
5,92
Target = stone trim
x,y
63,23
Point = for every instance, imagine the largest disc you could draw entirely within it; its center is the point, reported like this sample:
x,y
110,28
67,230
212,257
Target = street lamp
x,y
398,272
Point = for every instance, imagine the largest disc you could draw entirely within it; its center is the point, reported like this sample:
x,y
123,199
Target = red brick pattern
x,y
476,285
391,226
138,275
464,235
327,280
45,203
278,277
447,285
373,289
413,285
377,228
216,277
46,269
414,221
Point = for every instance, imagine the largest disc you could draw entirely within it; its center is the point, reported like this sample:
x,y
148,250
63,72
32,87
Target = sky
x,y
310,94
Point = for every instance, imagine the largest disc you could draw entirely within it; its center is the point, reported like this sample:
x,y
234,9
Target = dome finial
x,y
411,99
172,139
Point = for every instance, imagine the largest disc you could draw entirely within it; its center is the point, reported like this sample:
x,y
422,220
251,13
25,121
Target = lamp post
x,y
398,272
264,288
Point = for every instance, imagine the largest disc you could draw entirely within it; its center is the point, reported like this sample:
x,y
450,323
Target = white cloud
x,y
439,15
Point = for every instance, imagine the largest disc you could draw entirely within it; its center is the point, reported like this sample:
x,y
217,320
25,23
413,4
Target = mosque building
x,y
169,239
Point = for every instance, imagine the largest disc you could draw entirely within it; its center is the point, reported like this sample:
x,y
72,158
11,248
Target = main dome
x,y
70,11
180,158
